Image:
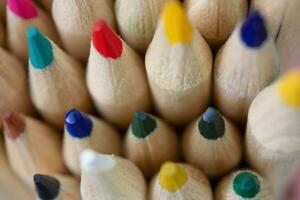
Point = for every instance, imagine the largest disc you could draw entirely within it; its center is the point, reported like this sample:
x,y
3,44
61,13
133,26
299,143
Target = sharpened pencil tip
x,y
78,124
254,31
40,49
47,187
176,25
172,177
23,8
142,124
13,124
246,185
106,41
211,126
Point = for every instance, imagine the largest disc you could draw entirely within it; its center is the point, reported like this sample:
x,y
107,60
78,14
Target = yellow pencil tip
x,y
177,27
172,177
289,88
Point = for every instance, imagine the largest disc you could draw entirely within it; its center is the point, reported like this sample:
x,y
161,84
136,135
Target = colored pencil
x,y
57,81
13,85
179,67
107,177
32,146
47,4
272,135
216,19
20,15
243,185
11,187
150,142
246,64
180,181
74,20
58,187
115,77
83,131
213,143
137,21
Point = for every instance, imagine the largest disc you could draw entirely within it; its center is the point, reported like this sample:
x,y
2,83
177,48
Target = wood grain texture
x,y
197,186
216,19
74,20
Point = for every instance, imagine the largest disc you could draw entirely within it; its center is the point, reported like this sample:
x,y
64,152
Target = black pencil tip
x,y
47,187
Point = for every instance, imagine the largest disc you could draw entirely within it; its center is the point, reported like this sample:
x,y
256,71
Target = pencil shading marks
x,y
47,187
106,41
40,49
23,8
78,124
253,31
13,124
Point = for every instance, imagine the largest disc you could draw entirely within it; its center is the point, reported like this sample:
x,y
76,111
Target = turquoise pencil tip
x,y
40,49
142,124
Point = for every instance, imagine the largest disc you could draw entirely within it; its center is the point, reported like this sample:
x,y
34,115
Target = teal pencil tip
x,y
40,49
211,126
142,124
246,185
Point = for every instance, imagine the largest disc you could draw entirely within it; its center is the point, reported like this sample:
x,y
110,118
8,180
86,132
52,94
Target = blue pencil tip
x,y
253,30
40,49
210,114
78,124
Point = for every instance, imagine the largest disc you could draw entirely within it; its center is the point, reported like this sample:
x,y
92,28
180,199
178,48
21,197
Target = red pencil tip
x,y
23,8
13,124
106,41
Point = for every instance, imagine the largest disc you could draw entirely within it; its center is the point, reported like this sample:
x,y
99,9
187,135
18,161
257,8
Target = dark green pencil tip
x,y
142,124
246,185
211,125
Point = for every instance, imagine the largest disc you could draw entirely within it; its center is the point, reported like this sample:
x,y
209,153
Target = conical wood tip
x,y
14,124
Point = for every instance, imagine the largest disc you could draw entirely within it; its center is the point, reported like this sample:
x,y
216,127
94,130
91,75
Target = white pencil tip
x,y
94,162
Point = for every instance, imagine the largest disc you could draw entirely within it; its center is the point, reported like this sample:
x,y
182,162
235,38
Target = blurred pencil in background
x,y
150,142
57,81
179,181
246,64
32,146
13,86
179,66
83,131
20,15
137,21
59,187
216,19
47,4
115,77
74,20
110,177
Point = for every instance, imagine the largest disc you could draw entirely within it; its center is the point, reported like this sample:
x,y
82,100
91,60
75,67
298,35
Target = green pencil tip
x,y
40,49
211,125
246,185
142,124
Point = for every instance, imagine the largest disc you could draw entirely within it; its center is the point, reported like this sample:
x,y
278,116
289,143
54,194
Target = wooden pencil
x,y
32,146
13,85
11,187
57,81
137,21
58,187
83,131
180,181
212,143
116,77
108,177
150,142
20,15
243,185
74,20
272,135
216,19
246,64
179,67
